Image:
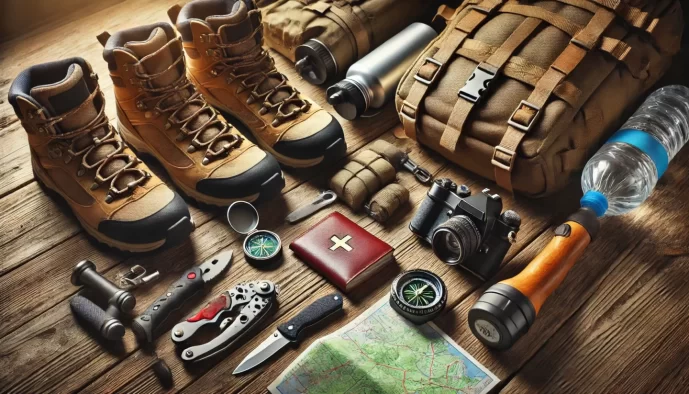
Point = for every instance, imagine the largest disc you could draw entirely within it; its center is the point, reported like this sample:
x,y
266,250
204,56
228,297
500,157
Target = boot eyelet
x,y
148,114
214,73
108,198
141,106
81,172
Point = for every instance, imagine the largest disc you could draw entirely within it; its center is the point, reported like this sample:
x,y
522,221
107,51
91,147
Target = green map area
x,y
381,352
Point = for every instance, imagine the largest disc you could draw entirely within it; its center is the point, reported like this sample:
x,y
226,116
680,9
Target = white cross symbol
x,y
341,243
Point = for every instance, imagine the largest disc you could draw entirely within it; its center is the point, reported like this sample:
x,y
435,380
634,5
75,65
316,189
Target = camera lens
x,y
456,239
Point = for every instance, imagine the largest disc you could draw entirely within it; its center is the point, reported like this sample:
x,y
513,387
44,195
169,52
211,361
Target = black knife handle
x,y
312,314
146,326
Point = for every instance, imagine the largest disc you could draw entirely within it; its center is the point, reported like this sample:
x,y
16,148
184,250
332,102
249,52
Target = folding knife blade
x,y
215,265
263,352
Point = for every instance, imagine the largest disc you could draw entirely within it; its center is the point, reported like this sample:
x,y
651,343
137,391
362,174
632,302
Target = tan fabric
x,y
142,208
389,151
387,201
578,74
349,29
360,178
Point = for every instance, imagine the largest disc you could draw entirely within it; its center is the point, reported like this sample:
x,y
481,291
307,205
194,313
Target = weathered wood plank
x,y
410,254
209,238
618,239
634,324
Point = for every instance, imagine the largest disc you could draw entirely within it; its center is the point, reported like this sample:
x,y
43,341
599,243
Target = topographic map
x,y
380,352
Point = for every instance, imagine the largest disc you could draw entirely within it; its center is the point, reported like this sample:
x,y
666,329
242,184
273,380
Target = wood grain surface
x,y
617,323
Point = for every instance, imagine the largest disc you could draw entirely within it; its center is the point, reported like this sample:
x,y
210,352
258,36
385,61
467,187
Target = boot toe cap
x,y
171,223
320,143
264,178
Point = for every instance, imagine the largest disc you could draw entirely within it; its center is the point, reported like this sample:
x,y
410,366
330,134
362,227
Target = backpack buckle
x,y
520,125
430,79
478,83
503,164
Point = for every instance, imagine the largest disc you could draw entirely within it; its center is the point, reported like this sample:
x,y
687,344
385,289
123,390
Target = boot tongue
x,y
229,29
65,95
156,59
159,59
62,97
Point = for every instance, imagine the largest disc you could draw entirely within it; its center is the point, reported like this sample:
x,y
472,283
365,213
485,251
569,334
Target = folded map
x,y
381,352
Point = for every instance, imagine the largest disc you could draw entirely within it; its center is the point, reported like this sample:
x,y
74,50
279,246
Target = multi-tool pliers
x,y
238,310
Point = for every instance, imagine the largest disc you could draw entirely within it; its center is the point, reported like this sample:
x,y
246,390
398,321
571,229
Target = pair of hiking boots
x,y
169,108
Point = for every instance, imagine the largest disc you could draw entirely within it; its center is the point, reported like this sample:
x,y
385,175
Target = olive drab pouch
x,y
332,34
522,92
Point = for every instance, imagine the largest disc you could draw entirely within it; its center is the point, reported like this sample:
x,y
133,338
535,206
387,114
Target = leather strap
x,y
430,70
529,111
490,68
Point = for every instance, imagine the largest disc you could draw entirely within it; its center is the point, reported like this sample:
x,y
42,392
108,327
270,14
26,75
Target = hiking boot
x,y
228,64
79,155
161,113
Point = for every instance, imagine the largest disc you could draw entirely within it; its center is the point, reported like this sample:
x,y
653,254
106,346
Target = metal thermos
x,y
371,82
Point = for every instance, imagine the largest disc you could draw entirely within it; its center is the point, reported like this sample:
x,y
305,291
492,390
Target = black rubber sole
x,y
334,151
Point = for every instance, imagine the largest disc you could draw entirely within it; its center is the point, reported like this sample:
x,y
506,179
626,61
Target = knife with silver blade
x,y
290,332
146,326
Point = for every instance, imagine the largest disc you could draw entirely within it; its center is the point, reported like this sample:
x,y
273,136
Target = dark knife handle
x,y
312,314
146,326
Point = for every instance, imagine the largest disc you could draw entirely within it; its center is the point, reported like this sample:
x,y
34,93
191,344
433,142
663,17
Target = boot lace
x,y
179,100
253,69
116,167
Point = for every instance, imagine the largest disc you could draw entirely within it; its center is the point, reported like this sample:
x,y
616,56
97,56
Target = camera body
x,y
465,229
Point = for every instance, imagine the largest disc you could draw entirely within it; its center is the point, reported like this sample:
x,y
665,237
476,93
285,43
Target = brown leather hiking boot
x,y
228,64
161,113
78,154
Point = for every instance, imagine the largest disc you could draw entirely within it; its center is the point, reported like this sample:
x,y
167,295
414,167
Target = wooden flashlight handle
x,y
547,271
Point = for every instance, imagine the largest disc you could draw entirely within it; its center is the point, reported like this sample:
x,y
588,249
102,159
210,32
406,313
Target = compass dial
x,y
418,295
262,245
419,292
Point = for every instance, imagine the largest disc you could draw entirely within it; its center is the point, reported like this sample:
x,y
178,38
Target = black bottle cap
x,y
347,99
314,62
501,316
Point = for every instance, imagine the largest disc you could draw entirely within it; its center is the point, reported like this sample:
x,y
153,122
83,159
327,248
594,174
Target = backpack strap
x,y
479,82
433,67
529,111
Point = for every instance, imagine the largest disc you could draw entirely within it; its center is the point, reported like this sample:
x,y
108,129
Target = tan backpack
x,y
350,29
522,92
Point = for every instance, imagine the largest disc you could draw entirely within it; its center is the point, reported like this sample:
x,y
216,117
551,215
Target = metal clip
x,y
137,277
478,83
421,174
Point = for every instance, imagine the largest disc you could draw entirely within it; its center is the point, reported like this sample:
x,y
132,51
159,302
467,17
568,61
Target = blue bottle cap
x,y
596,201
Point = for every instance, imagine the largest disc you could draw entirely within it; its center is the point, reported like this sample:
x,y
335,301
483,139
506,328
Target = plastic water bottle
x,y
623,173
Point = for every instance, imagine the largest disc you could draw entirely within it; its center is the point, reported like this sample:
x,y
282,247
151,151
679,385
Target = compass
x,y
260,246
418,295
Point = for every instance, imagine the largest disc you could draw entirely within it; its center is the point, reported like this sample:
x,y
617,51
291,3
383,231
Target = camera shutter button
x,y
464,191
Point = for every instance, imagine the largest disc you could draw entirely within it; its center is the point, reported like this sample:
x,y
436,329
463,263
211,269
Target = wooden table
x,y
618,324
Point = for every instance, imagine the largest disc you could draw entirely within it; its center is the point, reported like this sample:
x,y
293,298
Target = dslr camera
x,y
464,229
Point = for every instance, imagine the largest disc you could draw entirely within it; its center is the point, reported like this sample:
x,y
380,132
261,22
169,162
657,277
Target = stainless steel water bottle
x,y
371,82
